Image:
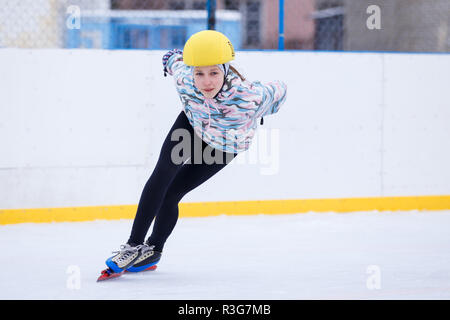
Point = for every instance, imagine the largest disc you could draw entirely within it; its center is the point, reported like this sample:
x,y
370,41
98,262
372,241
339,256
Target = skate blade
x,y
108,274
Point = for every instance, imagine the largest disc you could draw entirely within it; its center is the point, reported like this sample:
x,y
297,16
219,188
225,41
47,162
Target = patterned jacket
x,y
229,120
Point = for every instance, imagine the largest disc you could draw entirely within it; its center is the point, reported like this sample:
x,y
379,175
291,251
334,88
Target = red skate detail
x,y
108,274
151,268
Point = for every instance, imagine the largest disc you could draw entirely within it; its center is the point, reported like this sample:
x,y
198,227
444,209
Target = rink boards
x,y
358,131
206,209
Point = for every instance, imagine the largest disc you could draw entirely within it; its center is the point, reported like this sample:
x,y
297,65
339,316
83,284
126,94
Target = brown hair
x,y
237,72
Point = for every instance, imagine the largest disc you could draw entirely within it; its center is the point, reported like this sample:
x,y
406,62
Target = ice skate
x,y
124,258
147,260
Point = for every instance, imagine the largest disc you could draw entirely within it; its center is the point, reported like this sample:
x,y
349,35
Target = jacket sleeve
x,y
273,96
175,64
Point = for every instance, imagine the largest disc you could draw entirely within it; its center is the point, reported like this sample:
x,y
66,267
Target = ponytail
x,y
237,72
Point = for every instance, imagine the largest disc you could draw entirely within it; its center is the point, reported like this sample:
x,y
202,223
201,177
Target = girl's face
x,y
209,80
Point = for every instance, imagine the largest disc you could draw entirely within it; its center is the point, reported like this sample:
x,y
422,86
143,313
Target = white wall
x,y
84,127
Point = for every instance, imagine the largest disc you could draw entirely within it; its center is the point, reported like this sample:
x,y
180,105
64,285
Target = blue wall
x,y
143,33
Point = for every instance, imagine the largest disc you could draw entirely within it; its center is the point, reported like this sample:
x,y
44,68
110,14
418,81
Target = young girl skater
x,y
220,113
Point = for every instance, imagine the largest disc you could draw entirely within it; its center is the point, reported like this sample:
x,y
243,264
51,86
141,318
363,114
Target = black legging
x,y
170,182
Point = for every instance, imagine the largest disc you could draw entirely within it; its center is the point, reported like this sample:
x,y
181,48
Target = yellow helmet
x,y
207,48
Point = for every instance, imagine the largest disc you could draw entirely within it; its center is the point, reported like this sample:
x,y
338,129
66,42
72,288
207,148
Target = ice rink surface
x,y
361,255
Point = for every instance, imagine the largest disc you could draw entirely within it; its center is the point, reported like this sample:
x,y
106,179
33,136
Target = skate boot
x,y
147,259
125,257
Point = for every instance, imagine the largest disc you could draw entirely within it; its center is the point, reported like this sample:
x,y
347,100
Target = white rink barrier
x,y
83,128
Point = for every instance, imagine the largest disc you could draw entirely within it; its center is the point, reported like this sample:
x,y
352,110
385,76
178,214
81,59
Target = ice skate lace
x,y
126,251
